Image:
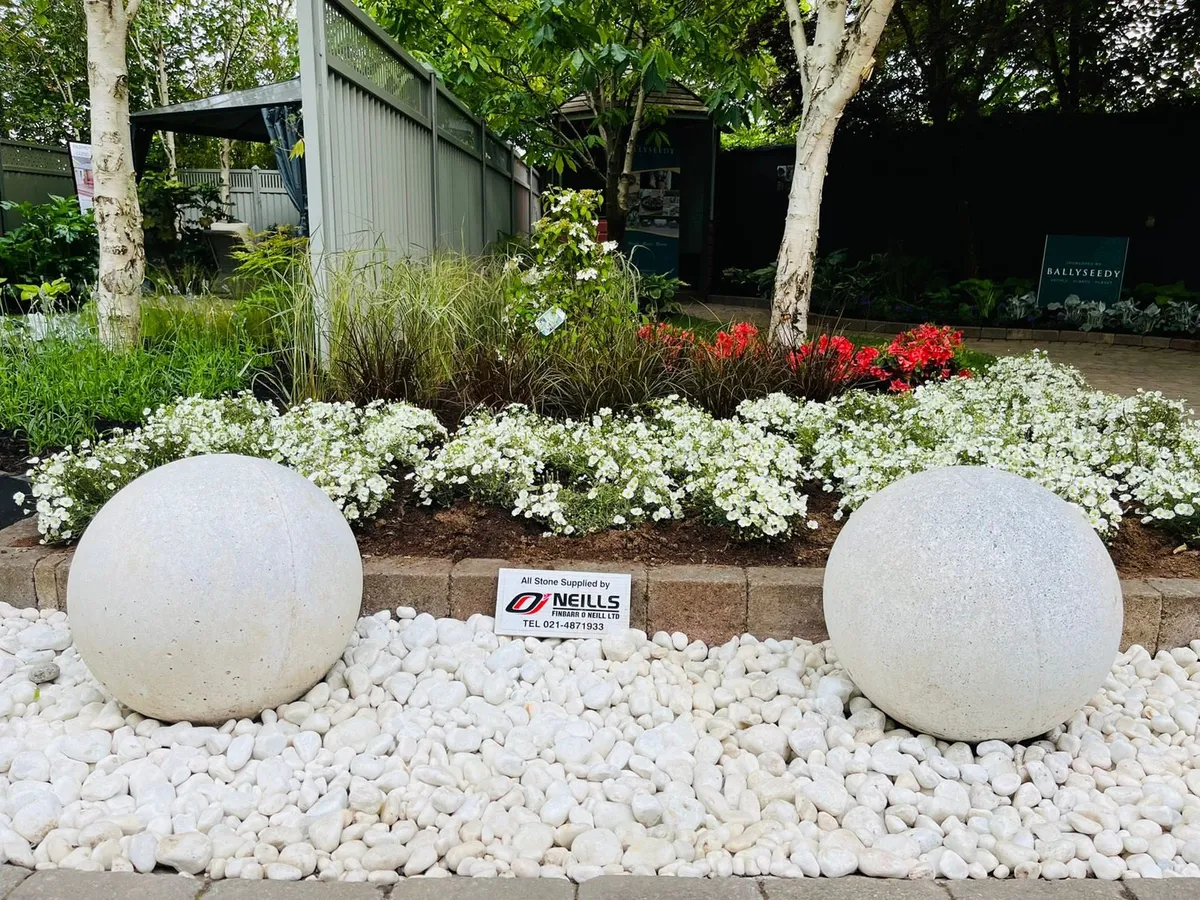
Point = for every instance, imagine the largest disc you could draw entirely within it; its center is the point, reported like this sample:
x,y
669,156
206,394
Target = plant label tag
x,y
550,320
551,603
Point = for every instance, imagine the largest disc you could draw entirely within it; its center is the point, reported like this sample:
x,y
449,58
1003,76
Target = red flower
x,y
734,343
846,363
899,387
673,340
924,353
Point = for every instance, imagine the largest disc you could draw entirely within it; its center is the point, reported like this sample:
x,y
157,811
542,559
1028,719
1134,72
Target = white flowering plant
x,y
1110,456
564,266
612,470
347,451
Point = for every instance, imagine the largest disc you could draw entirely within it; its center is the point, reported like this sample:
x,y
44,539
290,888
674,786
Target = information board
x,y
1092,268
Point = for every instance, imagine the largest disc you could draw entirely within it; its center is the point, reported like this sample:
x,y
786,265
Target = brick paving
x,y
19,884
1109,367
1122,370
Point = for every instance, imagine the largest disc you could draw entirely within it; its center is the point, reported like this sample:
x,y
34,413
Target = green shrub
x,y
656,294
69,387
172,238
565,268
54,240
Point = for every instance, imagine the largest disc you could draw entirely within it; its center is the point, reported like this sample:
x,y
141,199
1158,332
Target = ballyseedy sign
x,y
1091,268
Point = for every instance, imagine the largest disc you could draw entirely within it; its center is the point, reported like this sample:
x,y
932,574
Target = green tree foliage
x,y
193,48
43,71
944,60
516,61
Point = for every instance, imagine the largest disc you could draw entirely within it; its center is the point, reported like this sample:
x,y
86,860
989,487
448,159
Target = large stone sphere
x,y
970,604
213,588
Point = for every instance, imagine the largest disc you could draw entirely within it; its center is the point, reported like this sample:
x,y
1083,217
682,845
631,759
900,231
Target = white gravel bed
x,y
435,747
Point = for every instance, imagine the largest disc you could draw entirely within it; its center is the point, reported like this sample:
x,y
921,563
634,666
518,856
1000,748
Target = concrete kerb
x,y
709,603
60,884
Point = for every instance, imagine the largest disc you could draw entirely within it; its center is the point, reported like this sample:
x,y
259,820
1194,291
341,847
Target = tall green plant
x,y
564,268
54,240
403,324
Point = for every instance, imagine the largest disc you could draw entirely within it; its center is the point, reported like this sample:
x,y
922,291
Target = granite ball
x,y
970,604
213,588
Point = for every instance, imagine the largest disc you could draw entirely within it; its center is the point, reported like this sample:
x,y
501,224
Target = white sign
x,y
550,320
546,603
85,185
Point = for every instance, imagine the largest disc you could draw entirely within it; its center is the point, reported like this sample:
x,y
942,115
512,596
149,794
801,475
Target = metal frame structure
x,y
393,159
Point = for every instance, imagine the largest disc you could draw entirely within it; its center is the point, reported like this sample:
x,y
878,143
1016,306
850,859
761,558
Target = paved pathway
x,y
1122,370
1109,367
59,884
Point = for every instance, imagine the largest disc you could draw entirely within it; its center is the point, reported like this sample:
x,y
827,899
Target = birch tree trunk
x,y
226,172
164,99
798,249
118,215
832,67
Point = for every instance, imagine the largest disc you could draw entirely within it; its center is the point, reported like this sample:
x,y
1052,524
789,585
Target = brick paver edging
x,y
711,603
1045,335
978,332
60,884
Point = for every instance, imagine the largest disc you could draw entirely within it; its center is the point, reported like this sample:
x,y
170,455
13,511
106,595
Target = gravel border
x,y
710,603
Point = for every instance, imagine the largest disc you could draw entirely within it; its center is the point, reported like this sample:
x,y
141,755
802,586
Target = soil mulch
x,y
468,530
14,451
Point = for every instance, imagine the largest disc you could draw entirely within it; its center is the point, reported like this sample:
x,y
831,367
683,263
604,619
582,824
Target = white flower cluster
x,y
577,477
1108,455
345,450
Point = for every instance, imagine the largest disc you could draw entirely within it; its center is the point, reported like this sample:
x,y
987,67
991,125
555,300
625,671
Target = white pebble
x,y
436,748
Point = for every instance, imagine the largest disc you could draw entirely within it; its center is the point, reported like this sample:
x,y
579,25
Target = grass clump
x,y
68,387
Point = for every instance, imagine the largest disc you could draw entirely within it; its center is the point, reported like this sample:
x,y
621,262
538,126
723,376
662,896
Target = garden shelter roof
x,y
236,115
677,99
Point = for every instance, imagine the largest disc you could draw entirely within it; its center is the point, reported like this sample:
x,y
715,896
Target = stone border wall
x,y
973,332
712,603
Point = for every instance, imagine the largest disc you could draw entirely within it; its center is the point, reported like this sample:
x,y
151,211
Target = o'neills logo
x,y
529,603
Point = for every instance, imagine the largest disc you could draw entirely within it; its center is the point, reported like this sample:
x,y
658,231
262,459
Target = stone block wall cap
x,y
1176,588
698,573
780,576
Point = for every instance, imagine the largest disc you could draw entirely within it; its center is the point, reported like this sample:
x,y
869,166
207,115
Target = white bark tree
x,y
118,215
152,53
832,67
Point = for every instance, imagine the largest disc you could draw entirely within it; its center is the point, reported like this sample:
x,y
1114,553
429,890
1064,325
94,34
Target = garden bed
x,y
470,530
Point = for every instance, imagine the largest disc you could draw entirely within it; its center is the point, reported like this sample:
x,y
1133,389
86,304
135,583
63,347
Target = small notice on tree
x,y
548,603
81,163
1091,268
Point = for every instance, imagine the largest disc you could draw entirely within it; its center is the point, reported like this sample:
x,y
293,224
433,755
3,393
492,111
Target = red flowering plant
x,y
922,354
739,364
736,342
674,341
831,365
736,365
